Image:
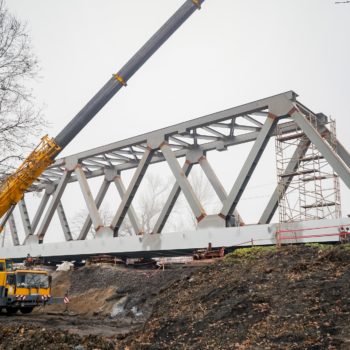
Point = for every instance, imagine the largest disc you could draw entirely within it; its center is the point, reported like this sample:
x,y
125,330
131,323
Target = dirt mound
x,y
292,298
108,303
260,298
33,337
110,291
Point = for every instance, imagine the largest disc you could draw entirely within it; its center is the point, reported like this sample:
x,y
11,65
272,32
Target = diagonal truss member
x,y
248,167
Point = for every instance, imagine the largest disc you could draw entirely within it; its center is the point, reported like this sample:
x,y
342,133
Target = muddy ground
x,y
290,298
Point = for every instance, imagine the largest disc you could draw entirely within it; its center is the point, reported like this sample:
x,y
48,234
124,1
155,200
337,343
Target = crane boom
x,y
13,187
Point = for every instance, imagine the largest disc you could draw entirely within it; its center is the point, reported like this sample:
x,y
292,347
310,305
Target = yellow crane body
x,y
13,187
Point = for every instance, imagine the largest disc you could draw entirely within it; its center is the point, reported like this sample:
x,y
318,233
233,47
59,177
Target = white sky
x,y
229,53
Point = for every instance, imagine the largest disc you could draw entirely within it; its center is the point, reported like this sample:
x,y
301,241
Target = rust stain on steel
x,y
292,111
272,116
201,217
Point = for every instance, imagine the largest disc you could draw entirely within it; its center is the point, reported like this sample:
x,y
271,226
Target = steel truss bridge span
x,y
253,122
183,243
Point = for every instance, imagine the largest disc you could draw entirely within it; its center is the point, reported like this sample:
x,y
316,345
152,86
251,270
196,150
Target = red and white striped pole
x,y
66,301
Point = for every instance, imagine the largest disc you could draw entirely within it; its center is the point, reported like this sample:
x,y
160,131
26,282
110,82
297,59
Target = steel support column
x,y
213,179
183,182
98,201
282,187
172,198
6,217
13,230
53,205
25,217
340,149
343,153
131,212
64,222
41,209
249,166
216,184
89,200
326,150
131,190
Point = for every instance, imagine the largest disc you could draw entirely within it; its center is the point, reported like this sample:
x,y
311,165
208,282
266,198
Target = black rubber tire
x,y
26,310
11,310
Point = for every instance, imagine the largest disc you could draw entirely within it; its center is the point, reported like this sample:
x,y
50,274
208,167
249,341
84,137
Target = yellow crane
x,y
12,188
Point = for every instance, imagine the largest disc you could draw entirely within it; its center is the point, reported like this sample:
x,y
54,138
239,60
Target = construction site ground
x,y
294,297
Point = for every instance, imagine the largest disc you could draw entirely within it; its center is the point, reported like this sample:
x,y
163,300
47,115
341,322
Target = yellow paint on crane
x,y
13,187
120,79
197,3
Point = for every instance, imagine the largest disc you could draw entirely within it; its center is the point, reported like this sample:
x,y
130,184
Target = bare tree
x,y
106,215
204,192
151,201
19,119
77,222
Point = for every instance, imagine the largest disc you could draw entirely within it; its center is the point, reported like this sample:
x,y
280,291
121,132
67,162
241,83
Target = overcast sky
x,y
229,53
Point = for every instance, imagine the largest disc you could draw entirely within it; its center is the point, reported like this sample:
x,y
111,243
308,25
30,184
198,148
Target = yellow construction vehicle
x,y
23,289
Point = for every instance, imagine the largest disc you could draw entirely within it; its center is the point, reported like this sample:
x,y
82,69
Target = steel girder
x,y
13,229
247,170
252,122
180,243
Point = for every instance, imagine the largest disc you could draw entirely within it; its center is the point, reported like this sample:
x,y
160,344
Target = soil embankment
x,y
291,298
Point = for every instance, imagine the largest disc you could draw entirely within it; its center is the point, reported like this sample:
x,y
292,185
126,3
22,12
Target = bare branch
x,y
19,118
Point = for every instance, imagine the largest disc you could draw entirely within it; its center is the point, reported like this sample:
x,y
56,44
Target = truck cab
x,y
24,289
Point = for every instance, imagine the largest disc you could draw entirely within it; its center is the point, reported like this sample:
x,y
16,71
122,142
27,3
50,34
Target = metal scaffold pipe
x,y
120,79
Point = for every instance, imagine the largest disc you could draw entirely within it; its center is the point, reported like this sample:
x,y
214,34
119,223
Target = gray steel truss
x,y
64,222
169,204
25,217
183,182
131,190
253,122
316,138
131,211
98,201
13,229
247,170
53,205
40,210
180,243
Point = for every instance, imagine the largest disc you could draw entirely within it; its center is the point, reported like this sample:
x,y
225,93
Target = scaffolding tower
x,y
310,189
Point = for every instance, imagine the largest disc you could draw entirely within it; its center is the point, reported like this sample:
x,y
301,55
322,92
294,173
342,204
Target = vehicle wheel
x,y
11,310
26,310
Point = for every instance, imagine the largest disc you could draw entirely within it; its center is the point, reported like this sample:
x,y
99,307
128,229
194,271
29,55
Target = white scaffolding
x,y
310,190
